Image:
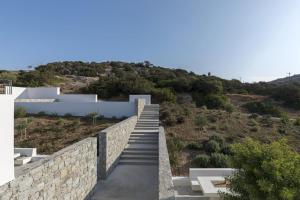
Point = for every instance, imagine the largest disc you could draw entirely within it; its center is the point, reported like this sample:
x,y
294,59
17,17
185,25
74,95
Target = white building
x,y
50,101
6,133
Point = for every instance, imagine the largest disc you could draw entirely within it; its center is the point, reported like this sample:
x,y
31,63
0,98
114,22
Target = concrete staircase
x,y
142,147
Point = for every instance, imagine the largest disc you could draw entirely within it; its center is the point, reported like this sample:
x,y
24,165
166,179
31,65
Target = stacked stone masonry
x,y
70,173
112,142
166,188
140,104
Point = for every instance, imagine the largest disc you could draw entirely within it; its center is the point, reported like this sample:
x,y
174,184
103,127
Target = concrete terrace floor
x,y
129,182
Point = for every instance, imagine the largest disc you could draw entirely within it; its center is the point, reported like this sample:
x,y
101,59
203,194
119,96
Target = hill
x,y
286,80
194,108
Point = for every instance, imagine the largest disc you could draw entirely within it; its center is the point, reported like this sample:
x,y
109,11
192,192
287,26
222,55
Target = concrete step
x,y
142,142
146,129
152,118
137,162
149,114
154,149
144,138
143,123
147,124
135,152
149,133
145,132
152,126
139,157
148,120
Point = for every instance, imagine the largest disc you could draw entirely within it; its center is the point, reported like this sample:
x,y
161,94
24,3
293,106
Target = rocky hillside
x,y
294,79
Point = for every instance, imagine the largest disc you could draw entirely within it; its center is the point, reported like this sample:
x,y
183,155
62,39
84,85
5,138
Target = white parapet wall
x,y
50,101
6,138
77,98
106,109
36,93
133,98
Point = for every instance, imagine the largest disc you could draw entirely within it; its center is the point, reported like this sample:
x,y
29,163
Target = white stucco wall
x,y
147,98
51,93
43,92
19,92
77,98
36,93
107,109
6,138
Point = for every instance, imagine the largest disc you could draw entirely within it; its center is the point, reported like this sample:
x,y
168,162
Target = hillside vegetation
x,y
202,114
117,79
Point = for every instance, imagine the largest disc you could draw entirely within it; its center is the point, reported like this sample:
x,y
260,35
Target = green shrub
x,y
172,113
253,116
54,114
163,94
212,118
254,129
201,161
218,139
252,122
214,101
42,113
226,150
20,112
76,123
219,160
212,146
267,171
170,121
60,122
285,125
175,145
195,146
224,126
201,121
68,115
93,116
180,119
297,122
263,108
229,108
267,121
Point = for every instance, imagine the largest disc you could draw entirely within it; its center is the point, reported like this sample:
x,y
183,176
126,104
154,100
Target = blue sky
x,y
249,39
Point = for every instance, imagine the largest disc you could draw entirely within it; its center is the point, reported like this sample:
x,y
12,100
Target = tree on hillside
x,y
267,172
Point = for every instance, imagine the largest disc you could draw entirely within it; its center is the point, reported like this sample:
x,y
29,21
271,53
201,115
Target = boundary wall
x,y
70,173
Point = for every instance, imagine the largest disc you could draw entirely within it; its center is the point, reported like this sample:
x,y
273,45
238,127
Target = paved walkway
x,y
136,175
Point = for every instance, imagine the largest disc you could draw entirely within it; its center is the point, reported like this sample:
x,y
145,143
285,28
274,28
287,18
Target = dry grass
x,y
239,99
51,133
233,127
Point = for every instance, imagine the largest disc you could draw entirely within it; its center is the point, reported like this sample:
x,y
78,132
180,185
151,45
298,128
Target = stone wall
x,y
70,173
140,104
112,142
166,188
